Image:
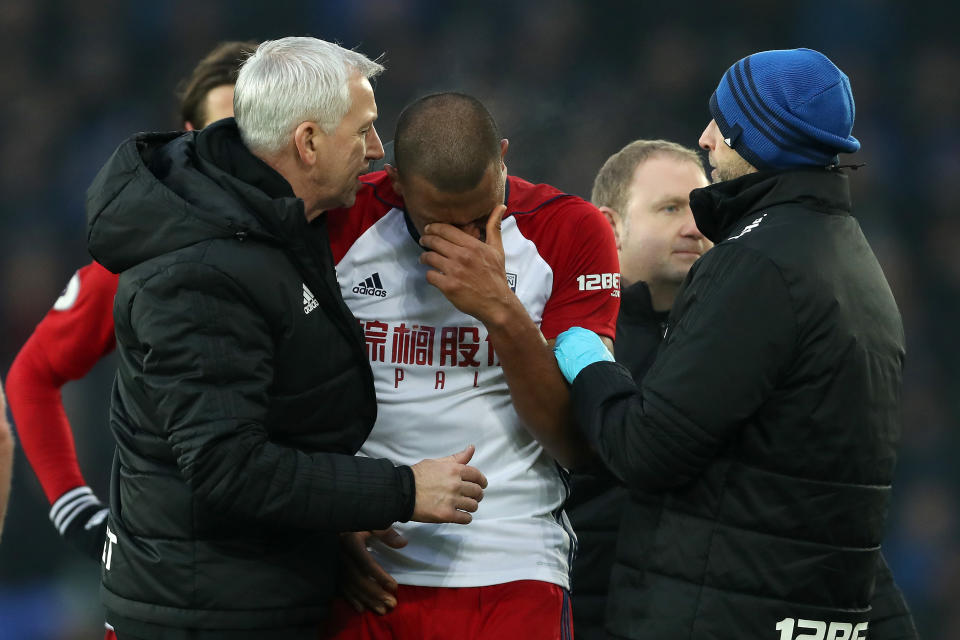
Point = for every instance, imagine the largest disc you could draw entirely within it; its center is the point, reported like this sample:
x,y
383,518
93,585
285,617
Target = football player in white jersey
x,y
461,277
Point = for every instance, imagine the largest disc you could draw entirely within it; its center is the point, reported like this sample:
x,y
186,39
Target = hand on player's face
x,y
470,272
467,210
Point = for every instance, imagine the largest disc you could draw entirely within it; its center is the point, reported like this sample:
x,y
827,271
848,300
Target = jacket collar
x,y
220,144
718,207
226,160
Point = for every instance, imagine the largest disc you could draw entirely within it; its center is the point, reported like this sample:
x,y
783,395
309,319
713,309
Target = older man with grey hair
x,y
243,388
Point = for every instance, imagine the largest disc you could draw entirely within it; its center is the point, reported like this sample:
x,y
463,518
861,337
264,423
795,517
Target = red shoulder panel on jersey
x,y
67,343
374,199
78,330
574,238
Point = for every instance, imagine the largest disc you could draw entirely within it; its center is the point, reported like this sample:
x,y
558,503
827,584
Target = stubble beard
x,y
732,168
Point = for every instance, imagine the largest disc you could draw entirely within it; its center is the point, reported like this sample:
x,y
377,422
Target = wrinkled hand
x,y
470,272
576,348
364,583
447,488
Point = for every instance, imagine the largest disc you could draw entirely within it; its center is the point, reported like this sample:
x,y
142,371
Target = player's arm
x,y
540,395
582,252
471,274
207,373
6,459
75,334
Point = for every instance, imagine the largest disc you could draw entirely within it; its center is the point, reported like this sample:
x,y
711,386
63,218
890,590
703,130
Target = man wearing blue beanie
x,y
782,110
767,426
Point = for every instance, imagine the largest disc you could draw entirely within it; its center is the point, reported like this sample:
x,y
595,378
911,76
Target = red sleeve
x,y
67,343
374,199
574,238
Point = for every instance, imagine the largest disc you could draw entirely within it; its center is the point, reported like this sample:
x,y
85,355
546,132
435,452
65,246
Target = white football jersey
x,y
440,387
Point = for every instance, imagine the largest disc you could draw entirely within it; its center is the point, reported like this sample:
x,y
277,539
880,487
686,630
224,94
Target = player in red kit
x,y
78,331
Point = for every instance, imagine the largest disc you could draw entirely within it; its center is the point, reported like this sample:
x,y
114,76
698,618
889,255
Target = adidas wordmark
x,y
371,287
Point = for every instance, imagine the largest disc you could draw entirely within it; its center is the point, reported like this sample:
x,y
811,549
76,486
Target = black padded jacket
x,y
242,393
768,423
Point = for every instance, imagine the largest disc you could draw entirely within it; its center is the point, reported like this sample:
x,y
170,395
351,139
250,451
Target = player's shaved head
x,y
449,139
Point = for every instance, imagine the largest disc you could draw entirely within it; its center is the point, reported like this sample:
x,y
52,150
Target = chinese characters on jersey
x,y
444,348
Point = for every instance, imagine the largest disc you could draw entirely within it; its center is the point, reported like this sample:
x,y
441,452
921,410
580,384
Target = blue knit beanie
x,y
786,108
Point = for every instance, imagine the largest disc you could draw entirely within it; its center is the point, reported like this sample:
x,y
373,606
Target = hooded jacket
x,y
768,422
242,392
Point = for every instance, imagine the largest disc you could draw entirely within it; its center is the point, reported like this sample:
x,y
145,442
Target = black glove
x,y
82,521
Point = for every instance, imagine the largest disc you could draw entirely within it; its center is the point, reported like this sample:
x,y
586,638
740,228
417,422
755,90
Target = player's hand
x,y
81,520
364,583
447,488
470,272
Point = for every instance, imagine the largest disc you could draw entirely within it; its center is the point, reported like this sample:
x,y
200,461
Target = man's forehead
x,y
488,186
656,190
361,92
462,207
656,168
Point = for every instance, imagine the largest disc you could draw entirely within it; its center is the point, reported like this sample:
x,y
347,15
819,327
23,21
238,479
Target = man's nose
x,y
374,145
705,139
689,228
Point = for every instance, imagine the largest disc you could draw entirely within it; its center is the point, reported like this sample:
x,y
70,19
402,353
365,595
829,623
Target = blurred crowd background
x,y
570,83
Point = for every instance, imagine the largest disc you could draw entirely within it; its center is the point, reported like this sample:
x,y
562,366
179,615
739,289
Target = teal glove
x,y
577,348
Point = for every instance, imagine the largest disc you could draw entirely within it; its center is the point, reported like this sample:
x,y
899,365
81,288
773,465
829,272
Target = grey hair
x,y
293,80
611,187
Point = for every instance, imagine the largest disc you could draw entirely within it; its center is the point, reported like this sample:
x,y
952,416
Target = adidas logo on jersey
x,y
309,300
371,287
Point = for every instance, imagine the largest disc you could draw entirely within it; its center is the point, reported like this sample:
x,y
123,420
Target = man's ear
x,y
394,176
613,218
306,137
504,144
